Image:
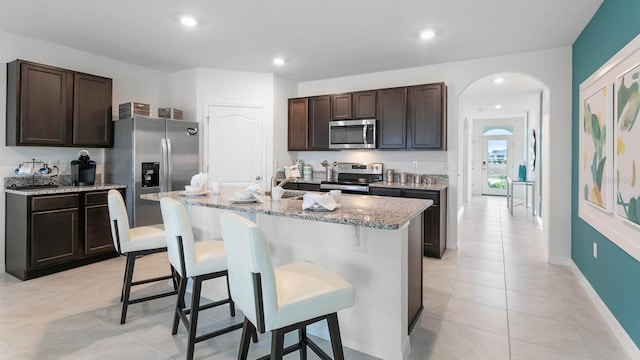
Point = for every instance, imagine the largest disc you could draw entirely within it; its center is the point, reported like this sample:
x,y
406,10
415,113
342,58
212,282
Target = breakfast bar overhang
x,y
373,242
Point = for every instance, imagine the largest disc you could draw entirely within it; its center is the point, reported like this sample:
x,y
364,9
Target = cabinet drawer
x,y
421,194
44,203
95,198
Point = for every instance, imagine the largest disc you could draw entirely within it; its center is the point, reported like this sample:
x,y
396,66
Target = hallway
x,y
497,298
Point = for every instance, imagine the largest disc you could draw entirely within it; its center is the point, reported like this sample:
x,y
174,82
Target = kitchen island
x,y
373,242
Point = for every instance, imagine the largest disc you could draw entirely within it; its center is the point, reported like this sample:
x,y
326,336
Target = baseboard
x,y
615,326
556,260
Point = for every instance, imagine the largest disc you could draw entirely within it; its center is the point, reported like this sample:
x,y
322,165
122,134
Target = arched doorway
x,y
503,101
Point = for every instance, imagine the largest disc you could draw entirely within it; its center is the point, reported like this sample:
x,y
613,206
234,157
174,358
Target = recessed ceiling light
x,y
278,61
188,21
498,107
498,80
427,34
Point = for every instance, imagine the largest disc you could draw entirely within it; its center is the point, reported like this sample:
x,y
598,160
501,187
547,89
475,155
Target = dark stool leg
x,y
124,277
302,339
179,304
248,332
334,333
131,258
193,322
277,344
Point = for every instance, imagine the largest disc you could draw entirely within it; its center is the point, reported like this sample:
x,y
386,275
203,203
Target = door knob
x,y
258,177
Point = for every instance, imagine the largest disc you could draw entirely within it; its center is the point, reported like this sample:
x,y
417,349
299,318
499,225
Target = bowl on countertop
x,y
243,195
193,188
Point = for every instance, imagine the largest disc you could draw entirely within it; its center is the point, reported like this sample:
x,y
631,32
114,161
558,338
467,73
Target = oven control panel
x,y
358,168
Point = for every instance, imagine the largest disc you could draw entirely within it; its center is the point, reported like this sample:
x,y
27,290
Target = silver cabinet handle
x,y
258,177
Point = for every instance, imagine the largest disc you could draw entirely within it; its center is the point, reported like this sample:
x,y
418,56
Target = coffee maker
x,y
83,170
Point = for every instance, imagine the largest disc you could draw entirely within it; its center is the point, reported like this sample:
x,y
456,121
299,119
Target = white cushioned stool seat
x,y
134,243
283,299
306,291
145,237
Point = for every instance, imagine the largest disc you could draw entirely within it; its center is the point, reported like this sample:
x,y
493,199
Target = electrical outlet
x,y
595,250
415,165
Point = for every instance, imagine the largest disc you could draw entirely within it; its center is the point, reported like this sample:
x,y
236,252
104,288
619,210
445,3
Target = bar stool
x,y
198,261
134,243
283,299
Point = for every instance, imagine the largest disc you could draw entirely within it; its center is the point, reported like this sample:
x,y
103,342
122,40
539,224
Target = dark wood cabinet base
x,y
46,234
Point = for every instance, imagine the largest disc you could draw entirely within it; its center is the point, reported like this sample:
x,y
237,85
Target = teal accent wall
x,y
614,275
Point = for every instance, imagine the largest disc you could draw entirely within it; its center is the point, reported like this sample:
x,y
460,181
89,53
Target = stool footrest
x,y
153,297
146,281
213,334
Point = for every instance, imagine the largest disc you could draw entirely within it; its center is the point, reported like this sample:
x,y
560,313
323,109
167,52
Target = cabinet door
x,y
97,227
364,105
45,105
97,230
432,231
92,124
341,105
392,118
319,117
426,108
298,126
54,236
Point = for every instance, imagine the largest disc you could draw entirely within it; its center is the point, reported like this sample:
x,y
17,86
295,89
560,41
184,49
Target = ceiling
x,y
317,40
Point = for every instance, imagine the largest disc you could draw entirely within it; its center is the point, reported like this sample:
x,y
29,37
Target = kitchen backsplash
x,y
60,180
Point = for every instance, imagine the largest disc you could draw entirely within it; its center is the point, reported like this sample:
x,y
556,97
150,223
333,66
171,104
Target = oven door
x,y
352,134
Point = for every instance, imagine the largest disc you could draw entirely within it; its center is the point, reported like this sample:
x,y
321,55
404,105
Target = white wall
x,y
552,67
130,83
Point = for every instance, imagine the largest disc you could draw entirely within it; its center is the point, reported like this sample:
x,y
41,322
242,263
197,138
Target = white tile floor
x,y
495,298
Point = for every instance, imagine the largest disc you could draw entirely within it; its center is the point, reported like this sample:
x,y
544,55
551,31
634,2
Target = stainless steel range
x,y
353,177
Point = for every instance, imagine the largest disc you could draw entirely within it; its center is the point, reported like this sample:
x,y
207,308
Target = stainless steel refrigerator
x,y
151,155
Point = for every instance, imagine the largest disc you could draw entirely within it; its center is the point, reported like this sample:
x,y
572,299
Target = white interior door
x,y
236,145
496,163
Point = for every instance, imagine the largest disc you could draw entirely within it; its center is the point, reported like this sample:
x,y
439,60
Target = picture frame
x,y
596,146
617,83
627,147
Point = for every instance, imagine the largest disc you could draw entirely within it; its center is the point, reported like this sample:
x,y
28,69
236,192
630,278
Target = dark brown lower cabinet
x,y
435,217
414,275
45,234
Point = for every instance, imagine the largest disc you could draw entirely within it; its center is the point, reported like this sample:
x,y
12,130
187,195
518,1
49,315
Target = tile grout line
x,y
504,268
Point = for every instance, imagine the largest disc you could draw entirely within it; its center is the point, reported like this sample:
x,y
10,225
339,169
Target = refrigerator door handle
x,y
163,166
169,166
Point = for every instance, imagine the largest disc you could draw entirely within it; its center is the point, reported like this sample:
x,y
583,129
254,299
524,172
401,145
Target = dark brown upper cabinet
x,y
426,117
341,105
92,124
364,104
298,124
357,105
50,106
319,117
392,118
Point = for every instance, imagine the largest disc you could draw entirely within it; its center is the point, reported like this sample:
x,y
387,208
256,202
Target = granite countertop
x,y
409,185
63,189
387,213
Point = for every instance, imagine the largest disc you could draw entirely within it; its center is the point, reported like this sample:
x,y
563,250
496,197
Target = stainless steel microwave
x,y
352,134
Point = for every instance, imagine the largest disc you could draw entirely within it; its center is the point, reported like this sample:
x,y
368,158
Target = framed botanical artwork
x,y
609,129
596,165
627,99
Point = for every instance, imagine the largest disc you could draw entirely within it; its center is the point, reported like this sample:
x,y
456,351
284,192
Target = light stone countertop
x,y
63,189
378,212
